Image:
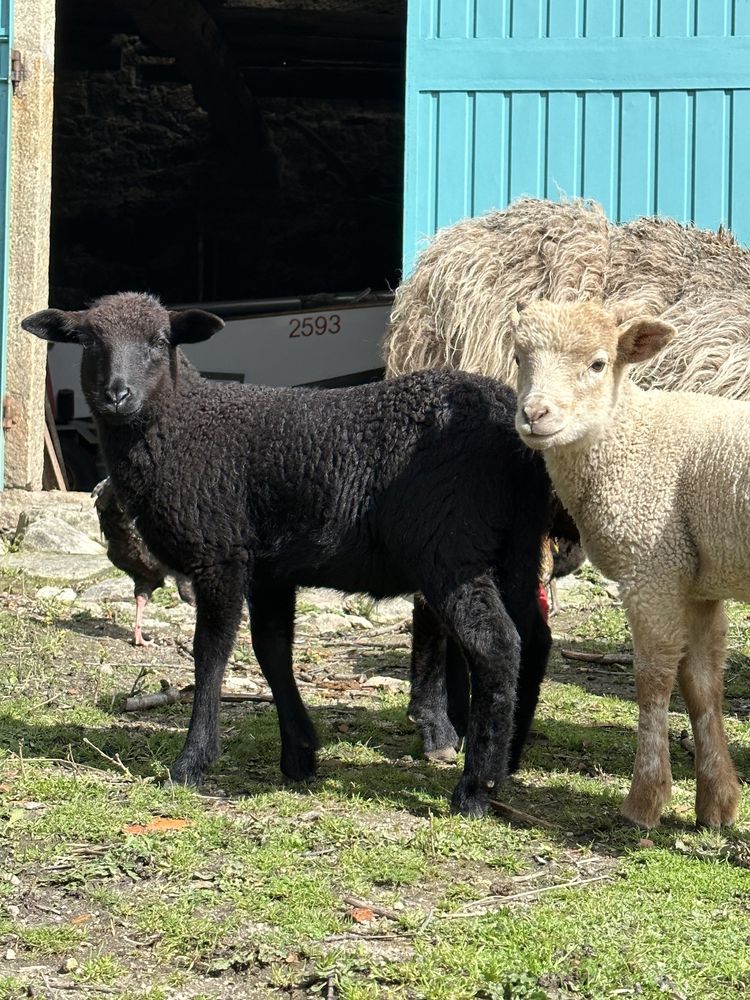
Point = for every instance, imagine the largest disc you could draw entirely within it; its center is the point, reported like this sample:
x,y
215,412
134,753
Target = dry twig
x,y
113,760
521,817
522,895
605,658
362,904
170,695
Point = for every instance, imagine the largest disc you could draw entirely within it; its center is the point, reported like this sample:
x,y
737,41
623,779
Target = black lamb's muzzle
x,y
118,412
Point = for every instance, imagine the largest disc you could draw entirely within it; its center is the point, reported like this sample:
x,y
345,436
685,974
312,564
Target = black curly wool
x,y
414,484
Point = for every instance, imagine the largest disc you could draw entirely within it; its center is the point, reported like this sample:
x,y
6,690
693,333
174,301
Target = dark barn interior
x,y
227,149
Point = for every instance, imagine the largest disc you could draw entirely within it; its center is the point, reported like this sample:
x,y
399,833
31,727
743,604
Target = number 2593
x,y
318,325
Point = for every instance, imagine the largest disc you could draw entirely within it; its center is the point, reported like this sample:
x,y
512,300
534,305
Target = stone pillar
x,y
33,34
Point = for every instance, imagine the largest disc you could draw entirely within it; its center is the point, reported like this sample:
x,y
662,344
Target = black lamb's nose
x,y
116,395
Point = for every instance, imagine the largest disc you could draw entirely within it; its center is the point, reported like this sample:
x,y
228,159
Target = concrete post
x,y
30,173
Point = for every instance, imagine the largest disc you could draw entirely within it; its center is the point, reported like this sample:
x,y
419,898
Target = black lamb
x,y
415,484
127,551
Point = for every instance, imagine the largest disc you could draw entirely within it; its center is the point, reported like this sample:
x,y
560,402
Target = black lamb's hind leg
x,y
219,598
476,616
536,642
429,703
272,628
458,685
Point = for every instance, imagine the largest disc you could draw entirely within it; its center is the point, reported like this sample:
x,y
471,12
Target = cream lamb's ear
x,y
641,338
515,315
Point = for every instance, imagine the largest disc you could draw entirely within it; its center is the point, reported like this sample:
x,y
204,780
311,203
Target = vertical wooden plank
x,y
601,151
422,22
492,145
742,17
711,158
639,18
674,155
676,18
455,18
454,157
492,19
420,174
565,19
563,175
713,18
527,145
636,194
528,18
601,19
739,206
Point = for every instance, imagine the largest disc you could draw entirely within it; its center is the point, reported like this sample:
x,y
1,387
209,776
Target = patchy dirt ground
x,y
360,885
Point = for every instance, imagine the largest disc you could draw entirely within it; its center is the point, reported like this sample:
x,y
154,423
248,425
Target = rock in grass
x,y
49,533
65,595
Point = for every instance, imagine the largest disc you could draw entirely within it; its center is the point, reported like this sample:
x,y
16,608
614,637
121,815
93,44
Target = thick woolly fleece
x,y
419,483
452,311
659,486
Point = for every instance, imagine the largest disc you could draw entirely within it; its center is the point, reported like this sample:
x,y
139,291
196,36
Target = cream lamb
x,y
659,486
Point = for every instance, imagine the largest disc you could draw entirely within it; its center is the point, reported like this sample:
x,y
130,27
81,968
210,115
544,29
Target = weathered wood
x,y
625,659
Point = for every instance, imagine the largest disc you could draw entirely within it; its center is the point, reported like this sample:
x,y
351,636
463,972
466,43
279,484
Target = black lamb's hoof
x,y
469,799
439,738
298,763
184,772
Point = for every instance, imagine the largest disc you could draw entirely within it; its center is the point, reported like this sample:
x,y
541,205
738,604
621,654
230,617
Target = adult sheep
x,y
659,486
452,311
418,483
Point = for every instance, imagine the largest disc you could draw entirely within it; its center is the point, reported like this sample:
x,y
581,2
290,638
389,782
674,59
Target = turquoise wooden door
x,y
643,105
5,95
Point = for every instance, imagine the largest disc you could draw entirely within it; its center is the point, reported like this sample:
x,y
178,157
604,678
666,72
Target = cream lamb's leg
x,y
660,641
701,680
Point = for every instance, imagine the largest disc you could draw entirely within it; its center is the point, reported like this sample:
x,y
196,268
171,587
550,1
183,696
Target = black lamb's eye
x,y
598,366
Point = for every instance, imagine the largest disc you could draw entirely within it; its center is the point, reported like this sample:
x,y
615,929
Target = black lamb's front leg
x,y
219,598
272,628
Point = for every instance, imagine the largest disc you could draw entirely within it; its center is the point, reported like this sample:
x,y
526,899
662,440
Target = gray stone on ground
x,y
50,533
324,623
14,502
82,517
56,567
65,595
116,588
394,609
320,598
386,682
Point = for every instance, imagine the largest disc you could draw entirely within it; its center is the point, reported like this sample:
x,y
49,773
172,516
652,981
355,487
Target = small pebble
x,y
69,965
9,955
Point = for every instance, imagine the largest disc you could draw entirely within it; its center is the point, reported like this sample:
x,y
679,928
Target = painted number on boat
x,y
307,326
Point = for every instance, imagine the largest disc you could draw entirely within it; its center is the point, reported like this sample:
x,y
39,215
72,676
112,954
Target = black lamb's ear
x,y
188,326
54,324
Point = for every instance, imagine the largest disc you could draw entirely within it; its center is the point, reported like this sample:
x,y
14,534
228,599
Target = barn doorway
x,y
227,149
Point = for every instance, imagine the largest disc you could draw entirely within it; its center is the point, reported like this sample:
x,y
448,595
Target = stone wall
x,y
144,198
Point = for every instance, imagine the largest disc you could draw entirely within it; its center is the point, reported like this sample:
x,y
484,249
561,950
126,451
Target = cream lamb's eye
x,y
598,366
516,359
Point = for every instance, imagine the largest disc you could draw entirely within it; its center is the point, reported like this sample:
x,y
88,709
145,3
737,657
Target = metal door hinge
x,y
16,69
11,412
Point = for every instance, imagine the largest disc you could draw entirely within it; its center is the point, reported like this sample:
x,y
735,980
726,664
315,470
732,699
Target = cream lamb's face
x,y
571,359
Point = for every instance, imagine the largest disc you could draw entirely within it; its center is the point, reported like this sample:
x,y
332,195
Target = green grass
x,y
250,897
